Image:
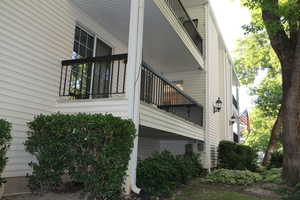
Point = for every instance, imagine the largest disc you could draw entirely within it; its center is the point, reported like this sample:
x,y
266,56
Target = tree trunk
x,y
274,139
291,116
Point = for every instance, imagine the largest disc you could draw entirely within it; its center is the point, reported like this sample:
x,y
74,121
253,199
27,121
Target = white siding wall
x,y
219,85
116,107
147,146
34,37
155,118
193,83
176,147
213,128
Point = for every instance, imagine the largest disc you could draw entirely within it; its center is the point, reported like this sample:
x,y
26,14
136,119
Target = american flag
x,y
244,118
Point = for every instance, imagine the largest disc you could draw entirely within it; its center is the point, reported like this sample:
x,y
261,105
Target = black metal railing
x,y
103,77
157,90
96,77
183,17
235,102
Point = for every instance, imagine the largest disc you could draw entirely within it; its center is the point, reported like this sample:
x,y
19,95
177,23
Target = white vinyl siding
x,y
193,83
156,118
35,37
117,107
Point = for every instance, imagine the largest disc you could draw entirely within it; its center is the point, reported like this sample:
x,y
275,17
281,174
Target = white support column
x,y
135,48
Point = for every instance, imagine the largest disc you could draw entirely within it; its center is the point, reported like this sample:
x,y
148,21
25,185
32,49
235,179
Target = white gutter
x,y
135,47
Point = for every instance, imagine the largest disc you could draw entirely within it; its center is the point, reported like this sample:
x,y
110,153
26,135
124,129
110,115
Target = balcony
x,y
235,103
185,20
158,91
105,77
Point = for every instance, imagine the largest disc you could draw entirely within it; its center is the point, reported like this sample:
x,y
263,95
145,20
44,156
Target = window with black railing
x,y
95,77
104,77
185,20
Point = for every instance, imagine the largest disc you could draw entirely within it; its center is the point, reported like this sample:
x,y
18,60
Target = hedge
x,y
5,138
160,174
236,156
233,177
92,149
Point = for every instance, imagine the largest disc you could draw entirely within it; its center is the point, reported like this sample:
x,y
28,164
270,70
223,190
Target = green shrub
x,y
233,177
160,174
236,156
295,195
93,149
276,160
5,137
272,175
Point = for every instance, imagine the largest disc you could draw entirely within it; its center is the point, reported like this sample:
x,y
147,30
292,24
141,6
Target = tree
x,y
269,98
253,54
281,20
260,133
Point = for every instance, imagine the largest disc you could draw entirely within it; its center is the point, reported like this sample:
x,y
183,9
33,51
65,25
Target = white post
x,y
135,47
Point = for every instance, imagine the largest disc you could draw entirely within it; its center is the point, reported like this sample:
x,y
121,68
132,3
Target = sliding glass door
x,y
90,80
102,71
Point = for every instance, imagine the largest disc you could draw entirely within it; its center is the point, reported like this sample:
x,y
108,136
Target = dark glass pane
x,y
77,33
83,37
76,46
90,42
89,53
103,49
82,51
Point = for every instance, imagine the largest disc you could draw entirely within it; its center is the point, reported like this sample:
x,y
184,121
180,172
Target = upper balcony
x,y
187,23
105,77
171,42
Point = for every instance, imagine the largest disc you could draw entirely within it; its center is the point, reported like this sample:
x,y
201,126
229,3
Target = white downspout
x,y
135,47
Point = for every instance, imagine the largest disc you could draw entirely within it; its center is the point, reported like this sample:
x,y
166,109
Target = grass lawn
x,y
199,191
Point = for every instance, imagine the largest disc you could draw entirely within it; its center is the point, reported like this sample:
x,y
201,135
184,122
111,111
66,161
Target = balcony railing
x,y
185,20
104,77
157,90
97,77
235,103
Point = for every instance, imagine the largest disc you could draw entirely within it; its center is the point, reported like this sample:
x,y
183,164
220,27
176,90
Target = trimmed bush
x,y
276,160
92,149
233,177
236,156
5,138
160,174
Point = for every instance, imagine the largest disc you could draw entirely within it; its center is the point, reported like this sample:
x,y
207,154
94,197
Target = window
x,y
82,73
83,43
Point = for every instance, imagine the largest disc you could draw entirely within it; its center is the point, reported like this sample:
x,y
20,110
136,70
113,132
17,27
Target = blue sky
x,y
231,17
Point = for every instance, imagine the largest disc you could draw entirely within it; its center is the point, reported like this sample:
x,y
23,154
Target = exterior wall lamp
x,y
218,105
232,120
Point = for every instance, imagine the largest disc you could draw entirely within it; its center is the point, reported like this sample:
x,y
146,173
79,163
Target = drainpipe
x,y
135,47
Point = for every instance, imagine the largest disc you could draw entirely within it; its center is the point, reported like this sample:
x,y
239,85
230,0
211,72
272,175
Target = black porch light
x,y
232,120
218,105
